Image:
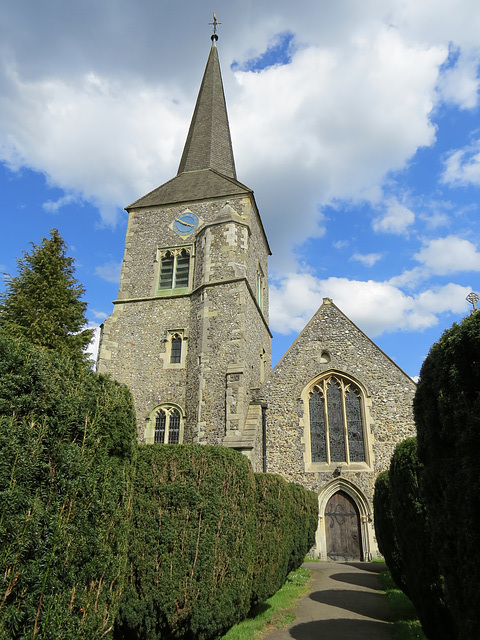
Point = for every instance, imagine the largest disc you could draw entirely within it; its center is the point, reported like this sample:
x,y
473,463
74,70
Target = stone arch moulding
x,y
363,506
367,422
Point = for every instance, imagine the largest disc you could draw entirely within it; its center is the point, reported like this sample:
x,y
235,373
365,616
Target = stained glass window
x,y
317,427
336,421
353,406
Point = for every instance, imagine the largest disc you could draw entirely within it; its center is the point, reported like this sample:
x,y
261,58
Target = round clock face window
x,y
185,223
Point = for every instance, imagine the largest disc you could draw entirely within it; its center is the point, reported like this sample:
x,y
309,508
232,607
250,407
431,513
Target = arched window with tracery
x,y
165,425
337,421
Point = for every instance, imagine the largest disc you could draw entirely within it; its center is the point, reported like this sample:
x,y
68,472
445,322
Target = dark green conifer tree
x,y
43,304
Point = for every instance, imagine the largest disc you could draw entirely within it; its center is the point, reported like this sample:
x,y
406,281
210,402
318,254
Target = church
x,y
189,335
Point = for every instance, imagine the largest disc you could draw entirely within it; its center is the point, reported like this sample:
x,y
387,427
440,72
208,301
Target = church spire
x,y
208,144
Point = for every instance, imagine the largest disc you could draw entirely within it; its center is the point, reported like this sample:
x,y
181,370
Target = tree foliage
x,y
43,302
447,414
66,443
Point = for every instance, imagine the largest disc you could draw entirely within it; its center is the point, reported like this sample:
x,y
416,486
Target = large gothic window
x,y
336,421
174,271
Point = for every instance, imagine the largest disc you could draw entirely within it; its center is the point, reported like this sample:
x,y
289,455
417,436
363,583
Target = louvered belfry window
x,y
336,421
174,270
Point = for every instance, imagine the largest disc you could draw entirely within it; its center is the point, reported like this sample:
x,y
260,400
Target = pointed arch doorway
x,y
345,525
342,528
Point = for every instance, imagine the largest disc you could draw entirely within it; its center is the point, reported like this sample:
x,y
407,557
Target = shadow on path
x,y
368,580
340,629
374,567
370,605
345,603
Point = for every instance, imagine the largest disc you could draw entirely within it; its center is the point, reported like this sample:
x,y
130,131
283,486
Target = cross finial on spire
x,y
215,24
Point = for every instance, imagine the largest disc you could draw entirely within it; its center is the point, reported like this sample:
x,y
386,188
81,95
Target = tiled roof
x,y
190,186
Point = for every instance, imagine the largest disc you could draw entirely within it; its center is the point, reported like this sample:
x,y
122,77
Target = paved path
x,y
344,604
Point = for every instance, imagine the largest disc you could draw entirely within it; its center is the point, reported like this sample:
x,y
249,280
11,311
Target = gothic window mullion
x,y
175,259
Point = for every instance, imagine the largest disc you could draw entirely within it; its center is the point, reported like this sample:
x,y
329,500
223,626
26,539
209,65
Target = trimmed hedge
x,y
100,537
66,440
274,535
447,414
192,548
209,539
385,530
304,523
412,530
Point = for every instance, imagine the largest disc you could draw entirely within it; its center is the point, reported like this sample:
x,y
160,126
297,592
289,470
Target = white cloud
x,y
53,206
448,255
435,219
459,84
109,271
396,220
333,123
376,307
367,259
329,125
98,315
340,244
94,137
462,167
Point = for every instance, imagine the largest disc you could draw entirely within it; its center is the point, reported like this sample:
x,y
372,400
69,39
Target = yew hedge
x,y
447,415
66,442
100,537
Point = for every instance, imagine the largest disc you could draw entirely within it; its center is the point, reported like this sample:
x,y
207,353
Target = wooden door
x,y
342,525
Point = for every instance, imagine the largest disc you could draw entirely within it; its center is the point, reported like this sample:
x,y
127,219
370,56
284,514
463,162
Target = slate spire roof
x,y
207,166
208,144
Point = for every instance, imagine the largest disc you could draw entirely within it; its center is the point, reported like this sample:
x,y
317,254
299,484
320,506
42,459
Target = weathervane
x,y
473,298
215,24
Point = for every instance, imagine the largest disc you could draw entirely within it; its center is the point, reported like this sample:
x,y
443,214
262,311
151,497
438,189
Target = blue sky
x,y
356,124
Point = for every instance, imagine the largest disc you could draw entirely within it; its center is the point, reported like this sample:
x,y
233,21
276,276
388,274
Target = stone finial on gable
x,y
327,301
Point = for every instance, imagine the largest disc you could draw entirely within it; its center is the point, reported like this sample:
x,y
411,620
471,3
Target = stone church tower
x,y
189,336
189,331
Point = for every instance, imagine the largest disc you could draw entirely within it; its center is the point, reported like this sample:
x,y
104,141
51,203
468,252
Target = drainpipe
x,y
264,436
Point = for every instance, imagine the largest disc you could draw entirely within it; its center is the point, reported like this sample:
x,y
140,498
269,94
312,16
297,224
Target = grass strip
x,y
276,612
405,624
